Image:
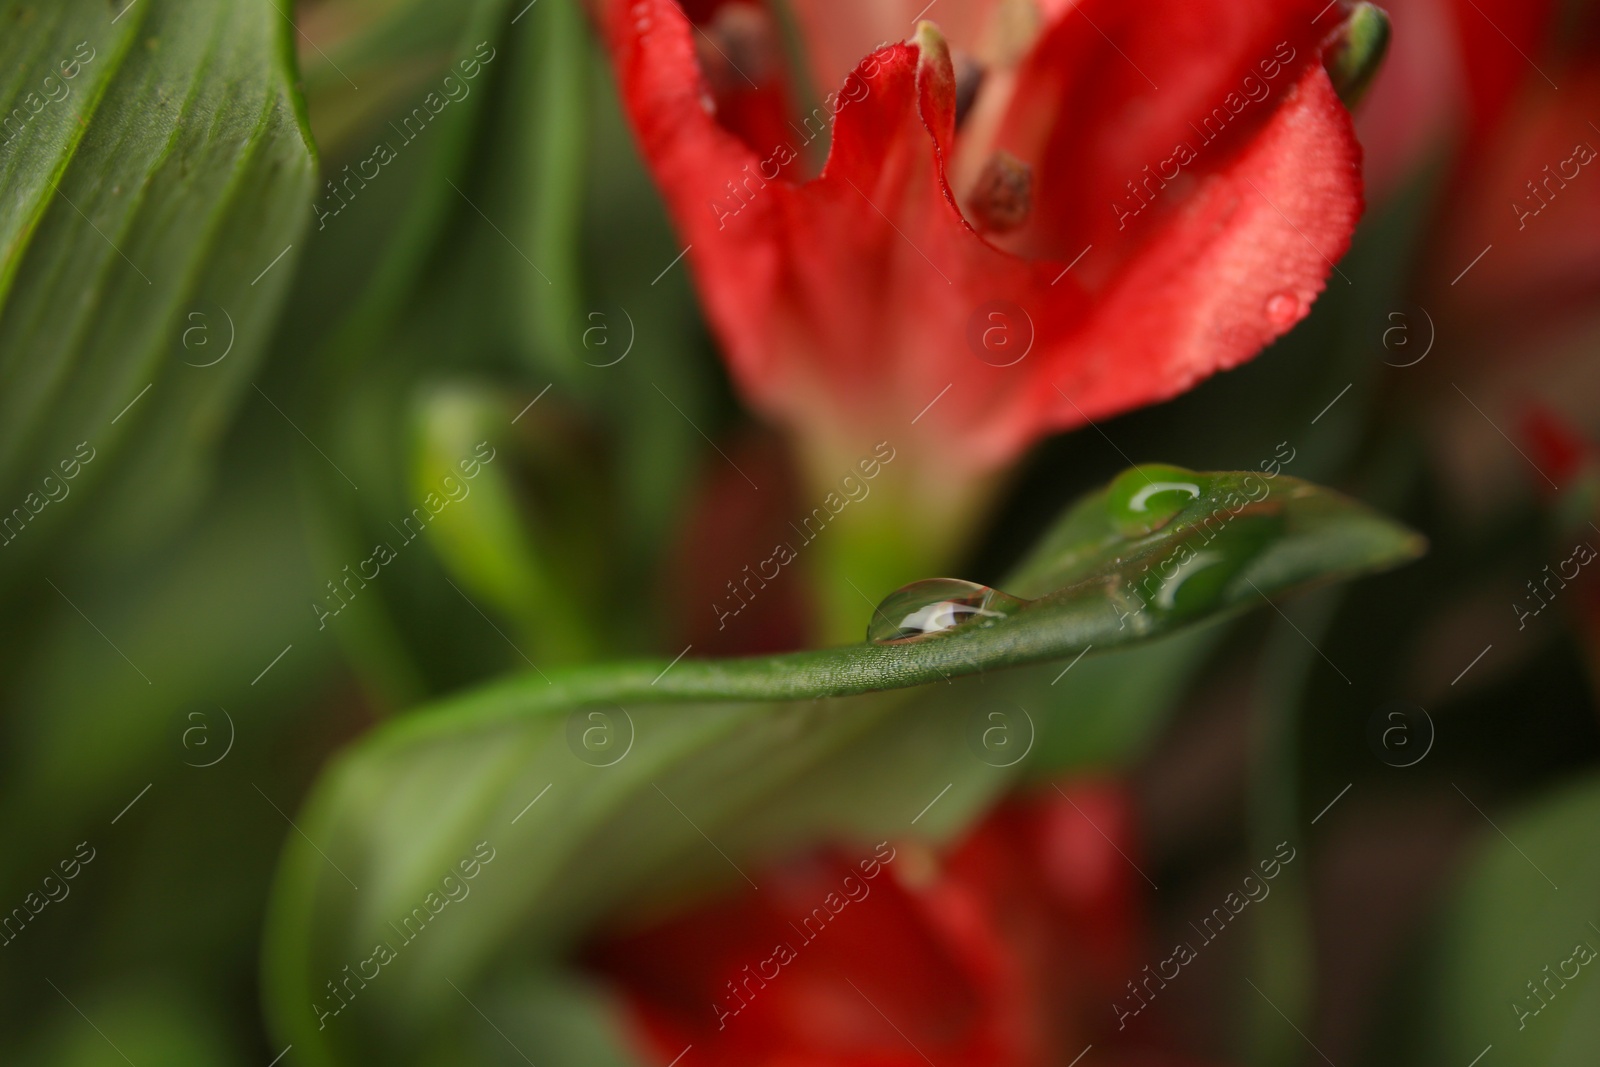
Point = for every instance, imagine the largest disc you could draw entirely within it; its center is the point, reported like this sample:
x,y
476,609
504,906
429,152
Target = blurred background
x,y
185,651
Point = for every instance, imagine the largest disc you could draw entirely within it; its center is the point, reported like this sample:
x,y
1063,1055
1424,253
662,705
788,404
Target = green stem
x,y
1282,955
904,524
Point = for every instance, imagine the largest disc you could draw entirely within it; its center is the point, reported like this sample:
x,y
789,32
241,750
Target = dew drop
x,y
935,605
1143,499
1283,308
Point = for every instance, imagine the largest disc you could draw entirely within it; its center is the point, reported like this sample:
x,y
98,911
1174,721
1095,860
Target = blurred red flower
x,y
1520,100
1509,272
1457,67
1122,198
1006,951
1523,197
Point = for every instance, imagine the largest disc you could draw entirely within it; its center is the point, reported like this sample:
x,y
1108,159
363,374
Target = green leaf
x,y
363,64
653,407
144,211
86,729
373,242
1099,711
594,787
1218,553
549,1018
1507,923
544,200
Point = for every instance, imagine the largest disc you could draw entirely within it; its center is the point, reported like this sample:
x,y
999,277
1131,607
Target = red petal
x,y
1113,88
740,47
1498,37
1239,265
845,303
1005,954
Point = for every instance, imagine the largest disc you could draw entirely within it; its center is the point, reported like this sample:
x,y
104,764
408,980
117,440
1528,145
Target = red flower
x,y
1007,952
1509,272
1137,195
1528,190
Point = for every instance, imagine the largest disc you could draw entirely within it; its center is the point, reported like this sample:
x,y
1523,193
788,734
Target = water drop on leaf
x,y
935,605
1143,499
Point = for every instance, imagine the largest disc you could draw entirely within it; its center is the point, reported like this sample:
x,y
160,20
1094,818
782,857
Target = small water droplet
x,y
1143,499
1283,308
935,605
